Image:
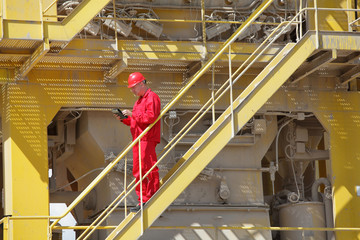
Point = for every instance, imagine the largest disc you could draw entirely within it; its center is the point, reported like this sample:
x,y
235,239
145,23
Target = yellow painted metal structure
x,y
35,49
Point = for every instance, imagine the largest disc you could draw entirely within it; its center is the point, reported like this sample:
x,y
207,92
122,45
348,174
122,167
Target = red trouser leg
x,y
148,158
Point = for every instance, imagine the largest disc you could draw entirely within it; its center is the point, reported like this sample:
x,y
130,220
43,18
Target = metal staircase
x,y
217,136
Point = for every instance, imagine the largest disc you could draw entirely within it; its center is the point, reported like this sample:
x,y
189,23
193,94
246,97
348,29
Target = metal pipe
x,y
239,9
203,27
301,19
225,228
115,23
329,216
231,96
197,21
242,169
212,92
162,20
263,228
141,190
316,25
277,144
327,202
315,186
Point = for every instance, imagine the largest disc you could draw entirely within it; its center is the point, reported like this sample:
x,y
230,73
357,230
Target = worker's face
x,y
137,89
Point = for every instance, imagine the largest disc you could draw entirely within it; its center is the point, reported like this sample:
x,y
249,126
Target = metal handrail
x,y
274,31
182,91
195,117
320,229
197,75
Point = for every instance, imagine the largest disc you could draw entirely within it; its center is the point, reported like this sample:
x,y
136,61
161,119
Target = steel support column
x,y
342,124
24,124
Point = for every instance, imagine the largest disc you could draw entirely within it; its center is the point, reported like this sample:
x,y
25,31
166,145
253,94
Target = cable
x,y
96,169
293,170
277,143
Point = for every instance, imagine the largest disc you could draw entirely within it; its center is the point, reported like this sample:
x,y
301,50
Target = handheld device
x,y
119,113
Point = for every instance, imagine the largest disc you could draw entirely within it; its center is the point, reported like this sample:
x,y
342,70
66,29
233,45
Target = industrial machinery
x,y
260,118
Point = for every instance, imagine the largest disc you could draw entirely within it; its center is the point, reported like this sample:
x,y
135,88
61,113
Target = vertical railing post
x,y
316,24
125,185
301,18
203,27
231,95
115,24
141,190
212,92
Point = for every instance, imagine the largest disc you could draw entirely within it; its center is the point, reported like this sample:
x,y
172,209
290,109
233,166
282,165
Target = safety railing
x,y
209,105
207,65
318,229
219,93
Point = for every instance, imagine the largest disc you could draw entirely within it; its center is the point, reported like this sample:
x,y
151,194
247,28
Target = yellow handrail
x,y
197,75
197,117
172,102
336,229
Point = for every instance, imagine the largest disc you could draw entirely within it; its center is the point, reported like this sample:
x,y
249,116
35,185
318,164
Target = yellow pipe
x,y
259,228
223,228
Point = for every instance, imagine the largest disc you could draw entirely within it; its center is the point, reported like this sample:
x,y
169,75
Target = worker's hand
x,y
117,117
127,113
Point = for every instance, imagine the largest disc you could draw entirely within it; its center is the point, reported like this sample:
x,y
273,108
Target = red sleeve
x,y
126,121
152,110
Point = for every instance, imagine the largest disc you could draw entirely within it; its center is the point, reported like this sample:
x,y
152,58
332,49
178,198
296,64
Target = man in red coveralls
x,y
145,111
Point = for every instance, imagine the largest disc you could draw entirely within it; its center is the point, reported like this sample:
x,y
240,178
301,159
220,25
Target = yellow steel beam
x,y
190,51
218,135
349,41
89,49
34,58
32,26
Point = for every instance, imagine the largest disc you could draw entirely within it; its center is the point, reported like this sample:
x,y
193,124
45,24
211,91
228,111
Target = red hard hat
x,y
134,79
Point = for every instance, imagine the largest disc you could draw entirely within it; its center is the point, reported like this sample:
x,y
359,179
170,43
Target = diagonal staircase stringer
x,y
219,134
75,22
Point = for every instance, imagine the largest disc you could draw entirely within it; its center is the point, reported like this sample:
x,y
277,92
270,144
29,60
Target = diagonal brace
x,y
116,69
313,65
33,59
350,75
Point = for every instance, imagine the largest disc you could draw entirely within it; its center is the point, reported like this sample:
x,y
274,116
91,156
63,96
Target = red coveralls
x,y
146,110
